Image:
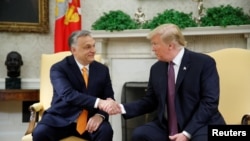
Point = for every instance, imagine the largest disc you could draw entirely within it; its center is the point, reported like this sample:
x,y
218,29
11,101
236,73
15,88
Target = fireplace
x,y
132,91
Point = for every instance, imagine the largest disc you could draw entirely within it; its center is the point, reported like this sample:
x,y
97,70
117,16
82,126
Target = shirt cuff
x,y
96,103
103,117
123,109
187,134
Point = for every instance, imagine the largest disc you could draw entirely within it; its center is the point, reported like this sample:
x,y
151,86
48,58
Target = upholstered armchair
x,y
47,60
233,65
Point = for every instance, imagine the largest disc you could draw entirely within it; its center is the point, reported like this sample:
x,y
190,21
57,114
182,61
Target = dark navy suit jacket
x,y
70,95
196,98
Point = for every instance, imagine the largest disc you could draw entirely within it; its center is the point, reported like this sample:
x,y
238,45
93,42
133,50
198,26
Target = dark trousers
x,y
153,132
45,132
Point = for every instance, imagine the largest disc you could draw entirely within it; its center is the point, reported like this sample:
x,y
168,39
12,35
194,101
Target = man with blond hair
x,y
186,98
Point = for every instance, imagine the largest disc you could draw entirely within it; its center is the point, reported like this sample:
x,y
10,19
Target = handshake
x,y
110,106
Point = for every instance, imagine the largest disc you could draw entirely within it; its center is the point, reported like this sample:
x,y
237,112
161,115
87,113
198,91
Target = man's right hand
x,y
110,106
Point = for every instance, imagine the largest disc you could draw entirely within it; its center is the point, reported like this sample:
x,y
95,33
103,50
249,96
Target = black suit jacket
x,y
70,95
196,98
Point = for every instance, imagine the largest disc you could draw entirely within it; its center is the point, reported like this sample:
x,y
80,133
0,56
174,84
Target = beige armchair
x,y
233,65
47,60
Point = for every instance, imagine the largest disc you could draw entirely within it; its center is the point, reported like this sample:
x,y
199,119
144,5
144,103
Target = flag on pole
x,y
68,19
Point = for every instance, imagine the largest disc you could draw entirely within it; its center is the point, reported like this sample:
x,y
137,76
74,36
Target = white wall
x,y
32,45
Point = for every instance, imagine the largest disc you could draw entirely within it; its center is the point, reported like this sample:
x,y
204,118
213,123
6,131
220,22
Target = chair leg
x,y
32,122
245,119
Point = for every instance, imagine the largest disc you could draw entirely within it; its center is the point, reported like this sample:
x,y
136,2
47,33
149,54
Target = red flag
x,y
68,19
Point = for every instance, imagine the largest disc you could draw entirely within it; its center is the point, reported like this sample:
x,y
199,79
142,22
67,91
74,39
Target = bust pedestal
x,y
13,83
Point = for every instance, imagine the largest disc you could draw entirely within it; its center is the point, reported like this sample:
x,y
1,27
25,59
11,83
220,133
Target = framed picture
x,y
24,16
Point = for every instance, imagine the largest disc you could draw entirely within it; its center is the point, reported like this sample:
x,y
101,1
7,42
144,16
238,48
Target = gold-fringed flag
x,y
68,19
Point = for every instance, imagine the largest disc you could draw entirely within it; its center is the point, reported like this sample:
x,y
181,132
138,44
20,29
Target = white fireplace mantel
x,y
190,31
102,36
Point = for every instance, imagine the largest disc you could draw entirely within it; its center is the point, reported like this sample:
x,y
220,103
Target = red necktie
x,y
172,119
82,119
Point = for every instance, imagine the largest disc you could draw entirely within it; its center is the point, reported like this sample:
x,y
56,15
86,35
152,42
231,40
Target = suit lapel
x,y
185,65
92,70
76,71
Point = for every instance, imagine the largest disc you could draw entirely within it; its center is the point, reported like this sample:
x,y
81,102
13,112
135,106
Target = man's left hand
x,y
94,123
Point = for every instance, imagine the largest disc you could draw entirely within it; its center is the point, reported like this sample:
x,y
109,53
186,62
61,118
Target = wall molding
x,y
32,83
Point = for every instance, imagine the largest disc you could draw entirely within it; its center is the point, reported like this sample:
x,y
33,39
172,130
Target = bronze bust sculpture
x,y
13,63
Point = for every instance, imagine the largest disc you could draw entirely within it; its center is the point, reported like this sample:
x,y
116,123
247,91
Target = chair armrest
x,y
245,119
34,108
